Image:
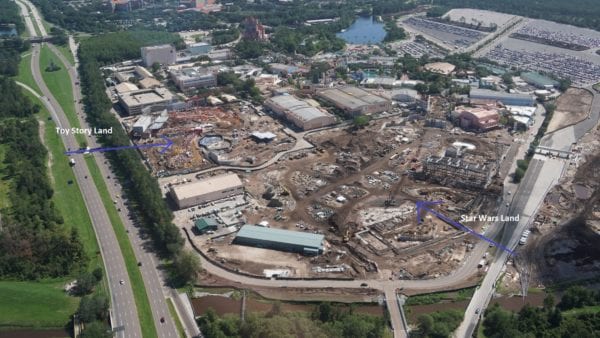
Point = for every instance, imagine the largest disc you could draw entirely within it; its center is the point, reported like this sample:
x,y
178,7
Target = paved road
x,y
542,175
123,311
123,305
153,277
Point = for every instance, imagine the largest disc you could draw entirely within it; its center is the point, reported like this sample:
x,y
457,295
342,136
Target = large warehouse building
x,y
279,239
300,113
486,96
355,101
207,190
479,119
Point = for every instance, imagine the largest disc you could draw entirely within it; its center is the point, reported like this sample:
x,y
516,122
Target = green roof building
x,y
203,225
279,239
538,80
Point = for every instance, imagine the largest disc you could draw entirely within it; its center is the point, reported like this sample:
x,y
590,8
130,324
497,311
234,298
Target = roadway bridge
x,y
39,39
553,152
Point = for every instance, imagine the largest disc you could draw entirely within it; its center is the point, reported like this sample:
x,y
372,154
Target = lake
x,y
364,31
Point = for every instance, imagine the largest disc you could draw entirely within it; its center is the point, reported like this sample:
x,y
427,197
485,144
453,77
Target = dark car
x,y
139,263
364,285
162,319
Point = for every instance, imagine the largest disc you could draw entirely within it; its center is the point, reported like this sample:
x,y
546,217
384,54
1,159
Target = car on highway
x,y
122,282
364,285
477,311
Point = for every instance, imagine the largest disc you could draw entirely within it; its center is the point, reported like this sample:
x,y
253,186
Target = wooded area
x,y
142,189
34,243
326,321
576,315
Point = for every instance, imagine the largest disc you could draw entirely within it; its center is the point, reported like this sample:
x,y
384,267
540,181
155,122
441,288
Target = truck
x,y
72,162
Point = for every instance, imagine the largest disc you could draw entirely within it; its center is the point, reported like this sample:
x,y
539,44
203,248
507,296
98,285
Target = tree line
x,y
325,321
11,48
142,189
567,319
34,242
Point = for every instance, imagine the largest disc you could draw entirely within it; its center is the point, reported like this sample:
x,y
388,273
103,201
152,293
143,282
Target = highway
x,y
154,280
543,173
123,308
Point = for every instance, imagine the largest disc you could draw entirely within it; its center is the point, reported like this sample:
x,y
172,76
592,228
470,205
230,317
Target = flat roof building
x,y
299,112
162,54
206,190
443,68
134,101
355,101
479,119
279,239
190,78
485,96
205,224
538,80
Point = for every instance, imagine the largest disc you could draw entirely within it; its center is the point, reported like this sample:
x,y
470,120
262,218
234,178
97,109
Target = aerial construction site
x,y
353,188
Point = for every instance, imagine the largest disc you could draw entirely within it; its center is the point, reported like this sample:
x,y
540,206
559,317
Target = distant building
x,y
478,119
8,30
253,30
134,101
538,80
443,68
162,54
484,96
190,78
355,101
279,239
298,112
281,69
199,48
206,190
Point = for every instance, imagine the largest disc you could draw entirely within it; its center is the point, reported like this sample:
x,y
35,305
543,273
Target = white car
x,y
122,282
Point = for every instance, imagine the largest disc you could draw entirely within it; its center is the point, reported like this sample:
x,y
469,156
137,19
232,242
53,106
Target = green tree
x,y
96,330
360,121
186,267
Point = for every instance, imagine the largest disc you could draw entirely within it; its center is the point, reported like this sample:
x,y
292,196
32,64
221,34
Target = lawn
x,y
41,304
180,329
66,51
25,76
135,276
59,83
583,310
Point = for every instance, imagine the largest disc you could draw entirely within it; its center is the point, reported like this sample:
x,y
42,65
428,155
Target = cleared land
x,y
571,107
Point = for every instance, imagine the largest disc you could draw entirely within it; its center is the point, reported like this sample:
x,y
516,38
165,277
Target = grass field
x,y
175,317
584,310
66,51
25,73
41,304
135,276
59,84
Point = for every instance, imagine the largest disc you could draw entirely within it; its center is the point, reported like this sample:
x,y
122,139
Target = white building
x,y
163,54
299,112
190,78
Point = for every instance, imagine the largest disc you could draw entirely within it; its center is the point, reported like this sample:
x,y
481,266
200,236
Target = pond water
x,y
364,31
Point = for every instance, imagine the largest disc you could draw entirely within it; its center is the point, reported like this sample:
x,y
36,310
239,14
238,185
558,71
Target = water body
x,y
364,31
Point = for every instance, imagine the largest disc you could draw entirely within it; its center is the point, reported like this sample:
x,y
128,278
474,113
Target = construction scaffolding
x,y
457,172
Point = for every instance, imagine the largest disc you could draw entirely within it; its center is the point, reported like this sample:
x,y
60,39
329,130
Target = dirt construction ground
x,y
571,107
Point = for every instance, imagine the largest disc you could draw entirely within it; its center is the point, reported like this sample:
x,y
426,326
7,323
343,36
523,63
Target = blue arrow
x,y
425,206
168,143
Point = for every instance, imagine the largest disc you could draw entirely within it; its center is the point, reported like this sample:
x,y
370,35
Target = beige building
x,y
207,190
134,101
162,54
299,112
355,101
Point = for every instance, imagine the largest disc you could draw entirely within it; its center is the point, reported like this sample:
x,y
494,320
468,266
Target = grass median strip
x,y
175,317
135,276
59,83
